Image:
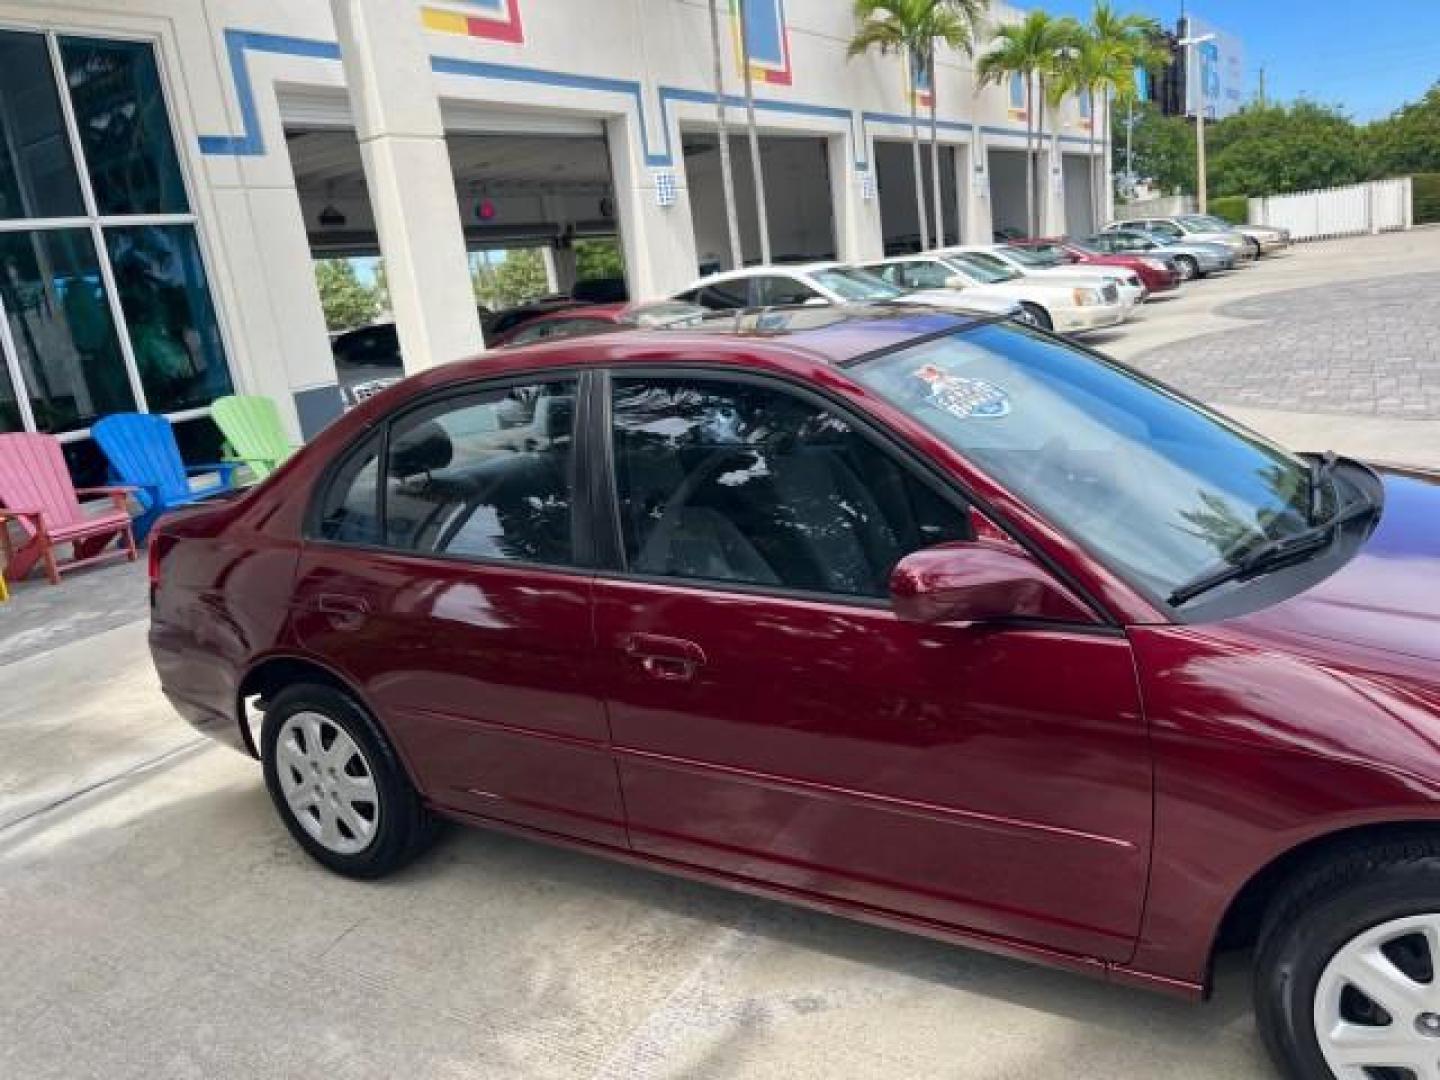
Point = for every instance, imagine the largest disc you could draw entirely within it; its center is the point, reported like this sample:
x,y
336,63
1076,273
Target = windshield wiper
x,y
1322,468
1272,554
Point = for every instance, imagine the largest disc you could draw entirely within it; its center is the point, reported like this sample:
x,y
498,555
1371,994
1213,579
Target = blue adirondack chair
x,y
143,454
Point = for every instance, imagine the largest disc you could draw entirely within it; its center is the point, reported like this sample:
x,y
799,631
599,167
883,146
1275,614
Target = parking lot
x,y
159,921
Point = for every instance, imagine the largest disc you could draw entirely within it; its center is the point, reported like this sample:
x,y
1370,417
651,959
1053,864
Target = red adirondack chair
x,y
37,493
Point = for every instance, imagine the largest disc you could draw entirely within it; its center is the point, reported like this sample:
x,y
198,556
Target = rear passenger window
x,y
350,510
488,475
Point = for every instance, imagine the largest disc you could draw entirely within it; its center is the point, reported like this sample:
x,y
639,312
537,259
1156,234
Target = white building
x,y
167,164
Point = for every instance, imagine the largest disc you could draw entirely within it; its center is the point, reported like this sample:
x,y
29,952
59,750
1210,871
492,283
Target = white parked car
x,y
1033,264
1052,304
834,283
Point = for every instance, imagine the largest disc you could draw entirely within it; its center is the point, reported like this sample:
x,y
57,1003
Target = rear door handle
x,y
669,659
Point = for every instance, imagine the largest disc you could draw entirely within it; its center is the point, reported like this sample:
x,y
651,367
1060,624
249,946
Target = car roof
x,y
763,271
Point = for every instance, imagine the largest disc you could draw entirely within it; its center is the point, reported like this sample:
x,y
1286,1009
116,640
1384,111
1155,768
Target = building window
x,y
106,302
1083,98
1017,92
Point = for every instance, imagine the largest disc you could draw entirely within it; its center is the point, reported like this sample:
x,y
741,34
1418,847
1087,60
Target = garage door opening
x,y
798,199
538,213
1079,195
1007,191
895,178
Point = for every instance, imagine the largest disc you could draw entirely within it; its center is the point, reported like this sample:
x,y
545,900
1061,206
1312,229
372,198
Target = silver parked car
x,y
1192,259
1193,228
1266,238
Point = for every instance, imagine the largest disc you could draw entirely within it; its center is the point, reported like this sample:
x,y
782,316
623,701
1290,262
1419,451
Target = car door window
x,y
777,290
350,506
739,482
724,296
1164,228
484,475
925,275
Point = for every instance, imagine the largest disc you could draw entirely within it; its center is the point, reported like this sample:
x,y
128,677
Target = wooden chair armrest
x,y
116,493
9,515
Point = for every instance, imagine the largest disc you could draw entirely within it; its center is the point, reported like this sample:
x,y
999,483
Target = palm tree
x,y
1034,49
954,24
1082,69
1120,44
903,27
762,213
727,177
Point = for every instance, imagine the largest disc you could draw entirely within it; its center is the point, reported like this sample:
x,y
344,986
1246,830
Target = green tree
x,y
1035,48
346,301
1275,149
520,277
1164,149
1408,140
596,259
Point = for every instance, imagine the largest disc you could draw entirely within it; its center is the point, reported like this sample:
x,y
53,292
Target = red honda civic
x,y
932,620
1160,272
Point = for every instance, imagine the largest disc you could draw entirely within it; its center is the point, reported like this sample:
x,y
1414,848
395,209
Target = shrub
x,y
1427,198
1233,208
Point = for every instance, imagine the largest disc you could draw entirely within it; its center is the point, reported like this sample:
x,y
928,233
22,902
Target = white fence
x,y
1164,206
1379,206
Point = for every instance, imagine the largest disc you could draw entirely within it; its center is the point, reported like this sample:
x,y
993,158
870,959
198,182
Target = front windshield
x,y
856,285
1028,257
985,269
1158,490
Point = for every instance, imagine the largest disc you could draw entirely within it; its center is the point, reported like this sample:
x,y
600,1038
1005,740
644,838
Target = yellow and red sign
x,y
491,20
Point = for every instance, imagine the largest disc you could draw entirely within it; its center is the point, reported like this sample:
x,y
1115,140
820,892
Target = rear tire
x,y
1037,316
1368,916
338,784
1189,268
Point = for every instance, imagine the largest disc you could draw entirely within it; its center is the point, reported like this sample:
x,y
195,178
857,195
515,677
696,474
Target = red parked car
x,y
1160,273
929,619
587,319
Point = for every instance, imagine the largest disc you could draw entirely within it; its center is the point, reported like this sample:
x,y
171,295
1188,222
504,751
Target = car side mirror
x,y
979,581
955,281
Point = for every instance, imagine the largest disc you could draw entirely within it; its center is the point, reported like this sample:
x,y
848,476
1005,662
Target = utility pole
x,y
1188,44
1262,86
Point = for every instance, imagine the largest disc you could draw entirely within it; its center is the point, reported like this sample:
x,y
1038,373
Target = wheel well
x,y
1246,913
268,678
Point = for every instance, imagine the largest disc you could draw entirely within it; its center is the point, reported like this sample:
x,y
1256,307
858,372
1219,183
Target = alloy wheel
x,y
328,784
1377,1004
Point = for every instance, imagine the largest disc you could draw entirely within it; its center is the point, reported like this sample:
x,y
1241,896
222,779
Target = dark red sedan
x,y
1160,273
924,618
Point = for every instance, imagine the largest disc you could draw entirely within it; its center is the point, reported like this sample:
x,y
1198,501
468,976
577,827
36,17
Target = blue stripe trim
x,y
251,141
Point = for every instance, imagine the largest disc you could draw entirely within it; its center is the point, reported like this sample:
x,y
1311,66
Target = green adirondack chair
x,y
252,428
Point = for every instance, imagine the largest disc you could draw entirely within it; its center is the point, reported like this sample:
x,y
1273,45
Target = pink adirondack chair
x,y
37,493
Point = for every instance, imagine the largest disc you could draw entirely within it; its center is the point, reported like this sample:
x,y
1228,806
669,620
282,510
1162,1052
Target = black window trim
x,y
582,485
915,465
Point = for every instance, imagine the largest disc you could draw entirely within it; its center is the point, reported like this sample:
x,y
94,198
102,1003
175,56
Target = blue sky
x,y
1368,56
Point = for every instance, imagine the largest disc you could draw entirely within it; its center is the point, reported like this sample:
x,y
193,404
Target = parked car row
x,y
1071,286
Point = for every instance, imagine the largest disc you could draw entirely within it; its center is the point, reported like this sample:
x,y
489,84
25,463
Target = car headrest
x,y
423,450
554,416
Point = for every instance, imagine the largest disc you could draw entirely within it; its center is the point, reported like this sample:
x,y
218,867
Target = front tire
x,y
1037,316
1189,268
338,785
1347,977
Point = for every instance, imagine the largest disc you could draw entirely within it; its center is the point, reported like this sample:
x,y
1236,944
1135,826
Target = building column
x,y
855,202
1052,220
979,217
411,183
659,240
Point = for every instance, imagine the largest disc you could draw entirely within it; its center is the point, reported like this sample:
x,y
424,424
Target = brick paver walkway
x,y
1368,347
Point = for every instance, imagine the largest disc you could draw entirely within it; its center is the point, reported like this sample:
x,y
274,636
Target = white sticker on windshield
x,y
966,399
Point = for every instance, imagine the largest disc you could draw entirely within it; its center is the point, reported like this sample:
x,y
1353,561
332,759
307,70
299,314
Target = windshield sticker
x,y
966,399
